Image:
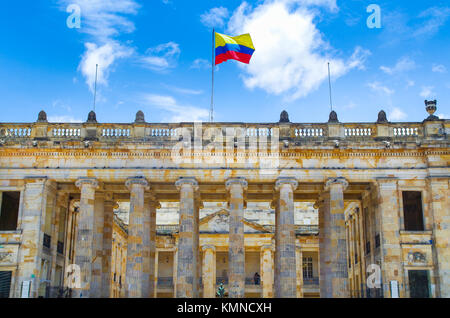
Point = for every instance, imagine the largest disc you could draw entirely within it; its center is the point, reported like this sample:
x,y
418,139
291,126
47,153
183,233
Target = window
x,y
9,210
307,267
5,284
412,210
418,284
377,240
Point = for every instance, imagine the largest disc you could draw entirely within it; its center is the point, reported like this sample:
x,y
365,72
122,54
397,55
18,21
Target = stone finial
x,y
333,117
284,117
430,106
382,119
92,118
42,117
140,118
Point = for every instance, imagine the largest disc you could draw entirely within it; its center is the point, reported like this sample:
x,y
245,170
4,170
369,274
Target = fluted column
x,y
299,263
149,246
84,254
236,252
267,268
31,224
287,275
97,262
108,219
187,260
334,267
209,271
134,272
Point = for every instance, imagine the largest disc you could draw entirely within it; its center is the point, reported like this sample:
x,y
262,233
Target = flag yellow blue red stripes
x,y
239,48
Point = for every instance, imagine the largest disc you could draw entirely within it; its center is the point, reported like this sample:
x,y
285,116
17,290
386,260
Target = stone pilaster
x,y
175,268
440,205
84,254
391,252
266,270
299,263
107,245
209,271
287,275
236,252
156,273
187,260
324,243
32,226
135,243
335,265
97,246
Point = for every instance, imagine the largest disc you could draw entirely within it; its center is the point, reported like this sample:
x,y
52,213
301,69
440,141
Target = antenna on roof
x,y
329,84
95,89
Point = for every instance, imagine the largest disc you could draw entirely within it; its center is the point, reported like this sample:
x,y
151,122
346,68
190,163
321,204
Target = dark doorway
x,y
412,210
418,284
5,284
9,211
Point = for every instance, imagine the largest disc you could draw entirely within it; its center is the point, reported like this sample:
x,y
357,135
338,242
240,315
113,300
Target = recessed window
x,y
412,210
9,210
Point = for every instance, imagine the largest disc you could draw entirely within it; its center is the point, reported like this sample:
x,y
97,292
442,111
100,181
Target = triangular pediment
x,y
218,222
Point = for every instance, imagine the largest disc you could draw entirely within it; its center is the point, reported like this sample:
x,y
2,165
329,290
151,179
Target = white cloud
x,y
379,88
215,17
161,57
184,91
397,114
435,18
427,92
201,64
104,56
291,54
103,20
63,119
444,116
439,68
404,64
178,113
410,83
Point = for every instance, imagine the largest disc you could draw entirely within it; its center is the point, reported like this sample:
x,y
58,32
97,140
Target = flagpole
x,y
95,90
211,112
329,84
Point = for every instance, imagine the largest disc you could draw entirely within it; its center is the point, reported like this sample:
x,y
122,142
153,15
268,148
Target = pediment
x,y
218,222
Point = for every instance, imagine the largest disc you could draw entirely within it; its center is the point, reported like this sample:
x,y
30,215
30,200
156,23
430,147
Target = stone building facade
x,y
330,210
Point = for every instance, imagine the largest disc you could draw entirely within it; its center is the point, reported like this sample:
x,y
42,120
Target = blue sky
x,y
155,56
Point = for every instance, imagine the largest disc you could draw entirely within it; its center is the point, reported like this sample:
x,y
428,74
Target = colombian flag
x,y
239,48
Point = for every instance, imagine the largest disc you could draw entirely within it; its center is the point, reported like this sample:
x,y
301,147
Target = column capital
x,y
208,247
387,183
336,181
267,247
286,181
236,181
93,182
187,181
137,180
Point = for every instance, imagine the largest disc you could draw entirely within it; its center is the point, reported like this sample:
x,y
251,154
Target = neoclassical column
x,y
60,199
439,193
299,263
31,224
236,248
266,269
334,268
84,254
391,251
209,271
175,268
287,275
97,262
324,243
108,219
187,259
149,240
135,243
